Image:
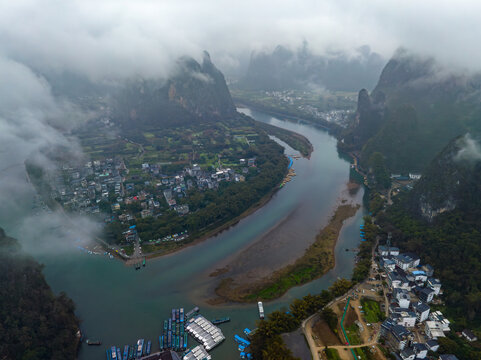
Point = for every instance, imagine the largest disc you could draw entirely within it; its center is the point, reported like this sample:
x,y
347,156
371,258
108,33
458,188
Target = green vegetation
x,y
332,354
35,324
452,245
452,344
361,270
331,319
372,311
352,332
382,178
294,140
267,343
315,262
363,353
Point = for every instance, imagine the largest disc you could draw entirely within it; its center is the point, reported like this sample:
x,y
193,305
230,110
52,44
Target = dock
x,y
197,353
205,332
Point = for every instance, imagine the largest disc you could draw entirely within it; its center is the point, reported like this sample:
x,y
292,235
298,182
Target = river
x,y
118,305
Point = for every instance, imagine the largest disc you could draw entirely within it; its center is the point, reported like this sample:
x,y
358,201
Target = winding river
x,y
118,305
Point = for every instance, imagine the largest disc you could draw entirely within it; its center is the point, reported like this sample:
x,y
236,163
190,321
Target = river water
x,y
119,305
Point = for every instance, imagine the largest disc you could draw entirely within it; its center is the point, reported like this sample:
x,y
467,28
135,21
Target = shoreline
x,y
256,107
300,272
216,231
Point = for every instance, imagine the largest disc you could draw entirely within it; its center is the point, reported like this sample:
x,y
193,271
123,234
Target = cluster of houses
x,y
82,188
96,185
413,288
340,117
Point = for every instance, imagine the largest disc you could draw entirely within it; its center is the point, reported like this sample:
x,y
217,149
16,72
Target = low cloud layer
x,y
32,123
121,38
470,150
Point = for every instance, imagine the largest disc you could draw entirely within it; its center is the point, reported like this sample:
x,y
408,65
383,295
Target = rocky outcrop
x,y
194,92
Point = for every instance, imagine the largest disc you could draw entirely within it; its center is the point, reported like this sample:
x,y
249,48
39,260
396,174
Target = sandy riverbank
x,y
317,259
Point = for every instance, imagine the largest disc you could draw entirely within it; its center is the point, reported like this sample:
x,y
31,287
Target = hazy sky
x,y
112,38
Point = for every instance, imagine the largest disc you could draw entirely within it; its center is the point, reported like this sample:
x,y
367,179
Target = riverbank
x,y
218,230
293,139
334,129
316,261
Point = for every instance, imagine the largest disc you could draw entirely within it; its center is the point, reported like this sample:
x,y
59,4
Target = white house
x,y
403,298
426,294
468,334
422,311
432,345
434,330
439,317
387,250
421,350
434,284
407,354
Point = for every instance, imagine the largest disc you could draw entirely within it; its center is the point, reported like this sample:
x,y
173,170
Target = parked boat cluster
x,y
174,338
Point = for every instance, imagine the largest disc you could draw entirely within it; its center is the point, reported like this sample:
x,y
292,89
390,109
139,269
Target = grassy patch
x,y
353,334
372,310
332,354
363,353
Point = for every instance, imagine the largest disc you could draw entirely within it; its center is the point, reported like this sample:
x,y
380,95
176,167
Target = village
x,y
109,189
392,315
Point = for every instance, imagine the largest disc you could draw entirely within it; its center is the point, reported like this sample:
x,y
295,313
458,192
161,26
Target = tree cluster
x,y
34,323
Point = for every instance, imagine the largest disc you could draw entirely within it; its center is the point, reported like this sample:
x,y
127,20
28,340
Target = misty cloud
x,y
111,39
470,150
32,124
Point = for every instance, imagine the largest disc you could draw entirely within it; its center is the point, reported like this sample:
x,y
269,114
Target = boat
x,y
181,314
220,321
185,340
169,325
261,310
241,341
165,325
113,353
140,345
161,342
192,312
131,352
149,344
177,315
247,331
173,315
143,262
169,339
177,342
119,354
93,342
126,352
109,354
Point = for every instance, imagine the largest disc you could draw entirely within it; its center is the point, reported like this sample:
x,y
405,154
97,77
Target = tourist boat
x,y
126,352
261,310
149,344
140,346
93,342
220,321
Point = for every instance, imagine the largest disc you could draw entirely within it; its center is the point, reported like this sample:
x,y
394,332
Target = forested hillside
x,y
34,323
416,108
440,219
